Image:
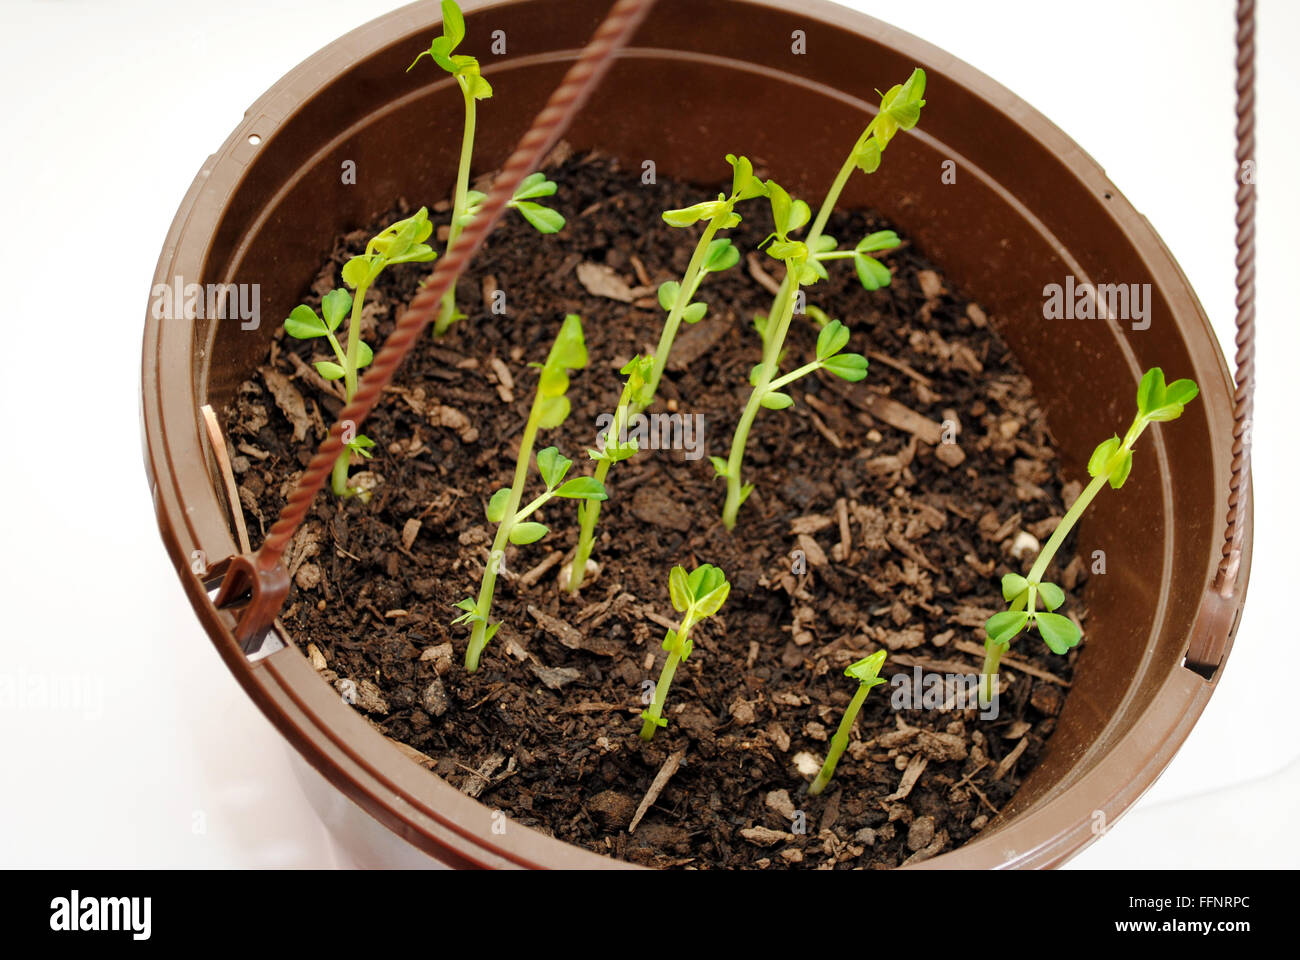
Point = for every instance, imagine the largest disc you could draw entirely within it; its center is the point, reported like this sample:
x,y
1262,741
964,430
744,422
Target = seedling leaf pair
x,y
696,595
542,218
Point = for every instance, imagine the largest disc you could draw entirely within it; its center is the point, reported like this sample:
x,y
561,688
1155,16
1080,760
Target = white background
x,y
110,108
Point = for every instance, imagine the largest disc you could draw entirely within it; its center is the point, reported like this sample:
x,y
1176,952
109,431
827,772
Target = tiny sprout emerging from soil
x,y
465,202
900,109
1111,463
711,255
402,242
550,409
697,596
867,672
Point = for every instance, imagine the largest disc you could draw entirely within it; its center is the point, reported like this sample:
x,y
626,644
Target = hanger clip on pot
x,y
260,590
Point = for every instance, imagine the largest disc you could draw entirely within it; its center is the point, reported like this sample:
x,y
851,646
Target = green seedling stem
x,y
1110,463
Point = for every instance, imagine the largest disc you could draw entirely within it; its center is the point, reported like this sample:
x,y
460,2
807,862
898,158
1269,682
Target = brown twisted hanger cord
x,y
262,574
1244,399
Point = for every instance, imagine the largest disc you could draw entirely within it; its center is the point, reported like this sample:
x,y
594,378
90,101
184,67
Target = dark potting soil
x,y
898,538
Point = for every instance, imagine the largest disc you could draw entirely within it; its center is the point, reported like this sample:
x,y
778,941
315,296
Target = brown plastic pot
x,y
1028,207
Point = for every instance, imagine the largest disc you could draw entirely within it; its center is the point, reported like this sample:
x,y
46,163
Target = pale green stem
x,y
656,710
993,652
840,742
339,476
741,436
447,310
794,375
483,606
589,510
782,305
690,283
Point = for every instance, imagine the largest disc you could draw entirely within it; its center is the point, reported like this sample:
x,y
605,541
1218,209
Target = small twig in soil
x,y
1010,759
657,785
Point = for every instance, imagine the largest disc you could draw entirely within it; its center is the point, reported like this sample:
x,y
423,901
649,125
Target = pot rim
x,y
422,808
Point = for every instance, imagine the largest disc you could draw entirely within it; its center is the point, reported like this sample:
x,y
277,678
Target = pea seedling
x,y
402,242
787,215
900,109
711,255
867,672
1111,463
696,596
550,409
465,202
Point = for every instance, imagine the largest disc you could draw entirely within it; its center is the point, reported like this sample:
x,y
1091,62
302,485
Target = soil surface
x,y
901,538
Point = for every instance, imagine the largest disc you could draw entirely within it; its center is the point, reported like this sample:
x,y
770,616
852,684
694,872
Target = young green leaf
x,y
365,356
357,272
1181,392
847,366
496,508
543,219
776,400
668,291
335,306
528,532
1058,632
362,445
1121,471
453,23
695,312
719,466
471,610
583,488
744,185
304,324
1101,457
875,242
872,274
1002,628
329,370
711,602
552,465
1013,585
570,349
686,216
867,155
705,579
1051,595
833,338
721,255
867,670
679,590
901,107
782,207
1151,391
533,186
553,411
